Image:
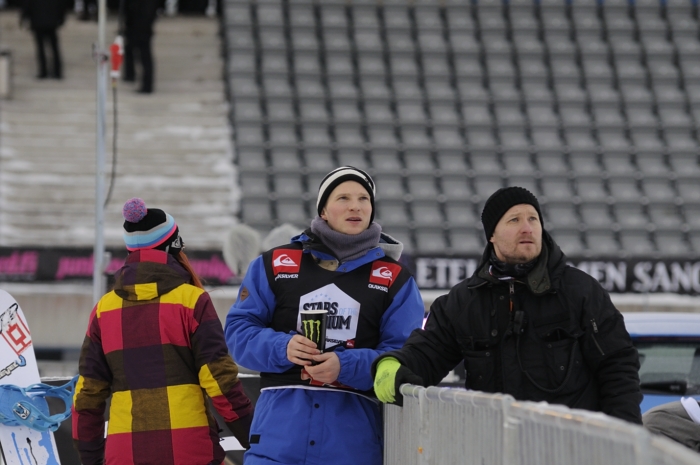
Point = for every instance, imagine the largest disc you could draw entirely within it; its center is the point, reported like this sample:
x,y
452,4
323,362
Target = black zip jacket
x,y
555,336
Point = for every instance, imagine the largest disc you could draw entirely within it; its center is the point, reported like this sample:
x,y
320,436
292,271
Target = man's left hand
x,y
326,371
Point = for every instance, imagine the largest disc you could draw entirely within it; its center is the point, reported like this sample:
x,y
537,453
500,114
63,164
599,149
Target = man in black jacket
x,y
525,324
45,17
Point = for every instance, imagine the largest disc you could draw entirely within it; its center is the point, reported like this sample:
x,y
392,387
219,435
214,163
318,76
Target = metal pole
x,y
99,252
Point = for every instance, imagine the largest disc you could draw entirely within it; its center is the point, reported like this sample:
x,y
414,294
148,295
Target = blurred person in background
x,y
44,18
155,344
319,408
525,324
139,17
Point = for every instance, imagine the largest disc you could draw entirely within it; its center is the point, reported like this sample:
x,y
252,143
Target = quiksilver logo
x,y
382,272
284,260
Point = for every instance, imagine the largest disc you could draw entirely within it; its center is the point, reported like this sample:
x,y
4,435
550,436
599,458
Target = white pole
x,y
102,63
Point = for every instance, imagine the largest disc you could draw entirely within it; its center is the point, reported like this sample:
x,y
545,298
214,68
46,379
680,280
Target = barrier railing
x,y
452,426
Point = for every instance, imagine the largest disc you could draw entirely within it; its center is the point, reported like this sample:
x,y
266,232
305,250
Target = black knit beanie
x,y
339,176
501,201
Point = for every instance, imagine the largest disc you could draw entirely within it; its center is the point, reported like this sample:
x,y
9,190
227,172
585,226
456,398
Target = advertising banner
x,y
71,264
631,275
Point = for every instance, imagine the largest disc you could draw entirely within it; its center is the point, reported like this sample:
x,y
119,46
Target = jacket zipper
x,y
511,290
595,331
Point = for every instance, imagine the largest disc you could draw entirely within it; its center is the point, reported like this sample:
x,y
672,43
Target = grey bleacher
x,y
594,106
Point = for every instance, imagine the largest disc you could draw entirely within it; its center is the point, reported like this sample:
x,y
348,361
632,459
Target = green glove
x,y
384,380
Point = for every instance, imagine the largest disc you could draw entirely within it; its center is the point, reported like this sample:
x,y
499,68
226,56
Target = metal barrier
x,y
453,426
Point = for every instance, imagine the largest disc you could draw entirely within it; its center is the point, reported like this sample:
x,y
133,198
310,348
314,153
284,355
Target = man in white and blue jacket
x,y
324,413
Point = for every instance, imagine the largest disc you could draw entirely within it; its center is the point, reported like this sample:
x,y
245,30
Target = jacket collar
x,y
148,274
313,245
544,277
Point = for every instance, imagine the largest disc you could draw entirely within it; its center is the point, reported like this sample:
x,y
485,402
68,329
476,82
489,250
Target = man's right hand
x,y
300,349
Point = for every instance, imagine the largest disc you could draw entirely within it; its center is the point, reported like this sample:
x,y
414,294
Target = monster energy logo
x,y
309,329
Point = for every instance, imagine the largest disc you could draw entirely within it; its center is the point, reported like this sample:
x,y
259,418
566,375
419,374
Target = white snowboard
x,y
21,445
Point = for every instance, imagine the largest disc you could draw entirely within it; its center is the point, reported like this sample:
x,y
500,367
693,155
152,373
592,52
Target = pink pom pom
x,y
134,210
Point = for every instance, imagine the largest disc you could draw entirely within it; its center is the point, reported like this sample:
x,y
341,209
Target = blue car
x,y
669,354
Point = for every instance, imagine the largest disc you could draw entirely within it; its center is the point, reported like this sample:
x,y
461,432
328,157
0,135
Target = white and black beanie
x,y
339,176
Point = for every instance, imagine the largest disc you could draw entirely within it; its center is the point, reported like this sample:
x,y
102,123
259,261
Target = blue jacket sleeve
x,y
403,316
251,341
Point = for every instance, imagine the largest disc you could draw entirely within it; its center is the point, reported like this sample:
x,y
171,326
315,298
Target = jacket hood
x,y
544,277
149,274
392,247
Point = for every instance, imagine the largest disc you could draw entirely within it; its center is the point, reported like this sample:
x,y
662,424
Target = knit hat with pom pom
x,y
149,228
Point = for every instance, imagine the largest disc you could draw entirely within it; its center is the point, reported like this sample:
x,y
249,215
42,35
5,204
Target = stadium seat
x,y
591,189
636,243
318,161
630,215
602,241
426,214
689,190
257,213
465,241
422,186
684,165
353,156
560,214
349,136
596,215
484,186
665,216
292,211
658,190
551,164
391,213
671,243
285,160
570,242
518,164
249,135
618,164
585,164
652,164
556,188
456,187
448,139
459,214
485,163
287,185
385,161
451,162
390,186
431,240
315,135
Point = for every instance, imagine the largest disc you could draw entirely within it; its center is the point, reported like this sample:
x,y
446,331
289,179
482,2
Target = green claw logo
x,y
309,329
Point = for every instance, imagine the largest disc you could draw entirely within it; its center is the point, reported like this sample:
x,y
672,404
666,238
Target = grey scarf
x,y
346,247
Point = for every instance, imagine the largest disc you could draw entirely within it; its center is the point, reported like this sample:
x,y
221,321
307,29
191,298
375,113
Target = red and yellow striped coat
x,y
155,343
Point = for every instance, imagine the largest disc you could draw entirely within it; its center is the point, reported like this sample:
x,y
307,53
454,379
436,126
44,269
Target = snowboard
x,y
21,445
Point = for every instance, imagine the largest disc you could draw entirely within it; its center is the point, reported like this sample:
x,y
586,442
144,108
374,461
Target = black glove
x,y
241,429
403,376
